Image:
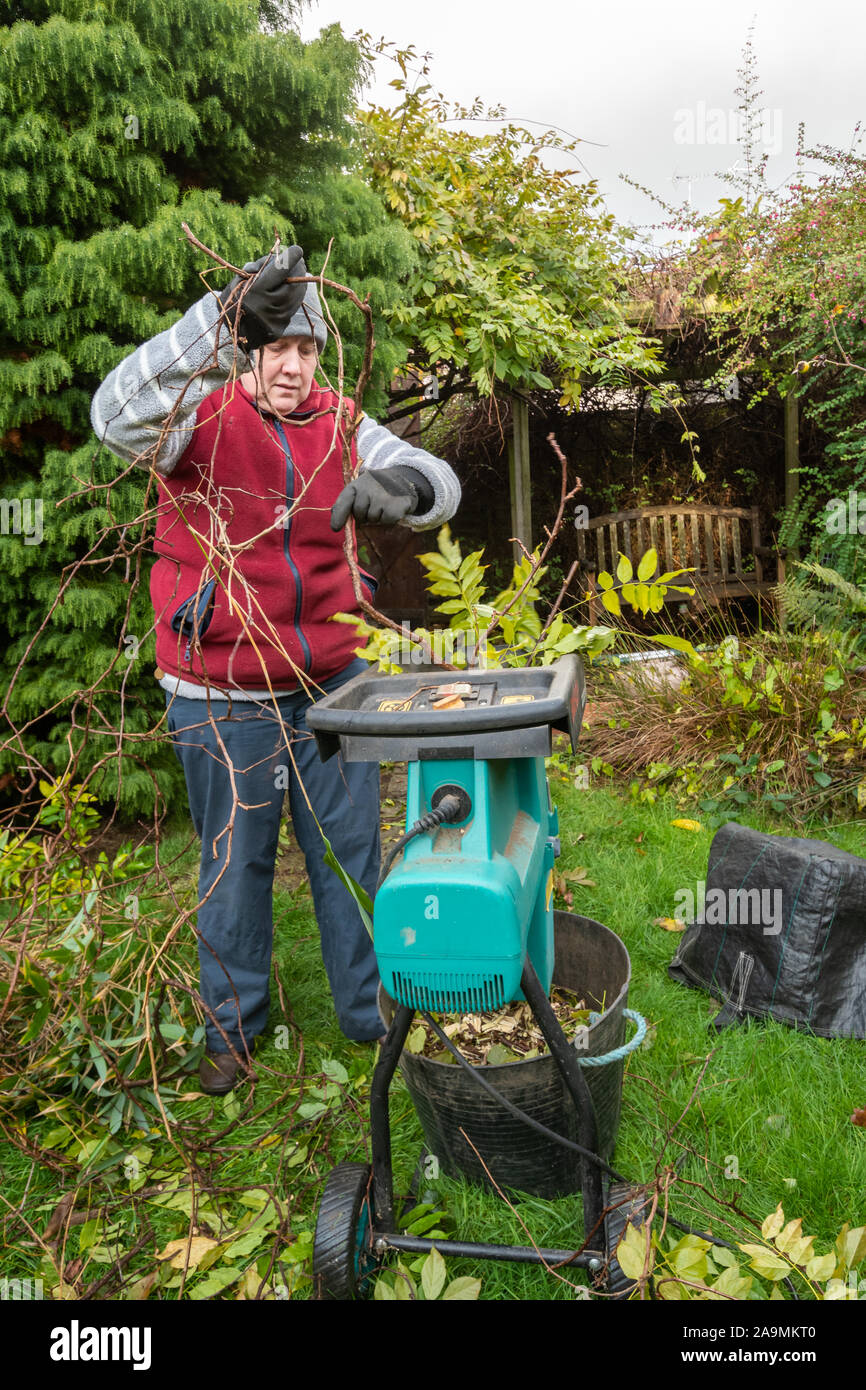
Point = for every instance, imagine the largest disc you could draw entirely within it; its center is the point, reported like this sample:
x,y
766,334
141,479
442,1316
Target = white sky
x,y
647,81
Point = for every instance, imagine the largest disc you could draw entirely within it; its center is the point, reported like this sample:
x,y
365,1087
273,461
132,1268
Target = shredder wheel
x,y
343,1260
628,1207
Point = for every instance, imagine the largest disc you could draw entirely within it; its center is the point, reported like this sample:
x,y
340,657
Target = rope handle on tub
x,y
618,1052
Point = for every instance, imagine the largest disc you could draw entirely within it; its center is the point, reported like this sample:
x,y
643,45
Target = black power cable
x,y
449,808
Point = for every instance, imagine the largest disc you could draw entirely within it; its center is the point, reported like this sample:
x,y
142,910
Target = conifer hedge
x,y
118,121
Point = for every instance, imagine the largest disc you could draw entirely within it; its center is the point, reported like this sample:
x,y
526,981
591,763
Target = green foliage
x,y
690,1267
816,596
505,630
432,1283
645,596
77,1008
23,858
517,283
119,121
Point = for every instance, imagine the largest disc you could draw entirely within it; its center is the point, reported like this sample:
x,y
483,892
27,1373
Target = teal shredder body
x,y
455,918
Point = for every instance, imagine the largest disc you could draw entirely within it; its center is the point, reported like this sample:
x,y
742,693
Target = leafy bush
x,y
69,809
83,982
778,718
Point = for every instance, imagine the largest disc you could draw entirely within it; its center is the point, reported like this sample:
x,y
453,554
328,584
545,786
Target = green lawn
x,y
777,1101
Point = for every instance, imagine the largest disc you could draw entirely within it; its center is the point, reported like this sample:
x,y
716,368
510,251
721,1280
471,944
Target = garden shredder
x,y
463,923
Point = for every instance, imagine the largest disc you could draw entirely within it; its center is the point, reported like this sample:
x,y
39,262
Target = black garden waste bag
x,y
778,931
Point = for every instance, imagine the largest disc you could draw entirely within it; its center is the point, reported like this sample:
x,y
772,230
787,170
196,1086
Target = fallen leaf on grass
x,y
176,1251
694,825
59,1217
142,1288
670,923
577,876
859,1117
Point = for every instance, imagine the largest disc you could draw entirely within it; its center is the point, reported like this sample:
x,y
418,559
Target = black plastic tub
x,y
592,961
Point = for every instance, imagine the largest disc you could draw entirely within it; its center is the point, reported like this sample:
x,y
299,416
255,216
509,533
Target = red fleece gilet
x,y
267,620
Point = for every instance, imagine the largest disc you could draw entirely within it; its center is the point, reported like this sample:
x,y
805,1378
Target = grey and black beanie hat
x,y
309,321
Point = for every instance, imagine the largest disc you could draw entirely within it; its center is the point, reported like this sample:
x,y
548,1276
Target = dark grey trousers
x,y
235,916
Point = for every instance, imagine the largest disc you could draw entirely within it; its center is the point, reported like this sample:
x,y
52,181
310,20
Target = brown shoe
x,y
218,1073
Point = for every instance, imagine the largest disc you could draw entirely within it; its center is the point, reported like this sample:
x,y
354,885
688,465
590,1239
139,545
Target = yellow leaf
x,y
631,1254
176,1251
853,1247
250,1284
771,1267
610,601
789,1234
694,825
670,923
648,564
772,1225
624,570
64,1291
141,1289
821,1267
463,1290
800,1250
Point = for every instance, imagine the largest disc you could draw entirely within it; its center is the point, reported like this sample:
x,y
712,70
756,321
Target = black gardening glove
x,y
382,496
269,304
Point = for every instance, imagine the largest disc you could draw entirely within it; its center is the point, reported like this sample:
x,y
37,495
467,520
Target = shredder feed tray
x,y
412,714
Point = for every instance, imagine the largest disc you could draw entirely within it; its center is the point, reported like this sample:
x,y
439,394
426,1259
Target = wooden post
x,y
519,477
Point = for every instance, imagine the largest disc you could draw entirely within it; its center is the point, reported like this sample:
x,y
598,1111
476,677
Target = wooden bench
x,y
716,542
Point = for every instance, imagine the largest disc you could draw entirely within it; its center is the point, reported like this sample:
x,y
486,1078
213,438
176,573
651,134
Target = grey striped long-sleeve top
x,y
177,369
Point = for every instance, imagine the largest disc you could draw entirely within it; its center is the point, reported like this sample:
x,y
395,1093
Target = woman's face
x,y
284,373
